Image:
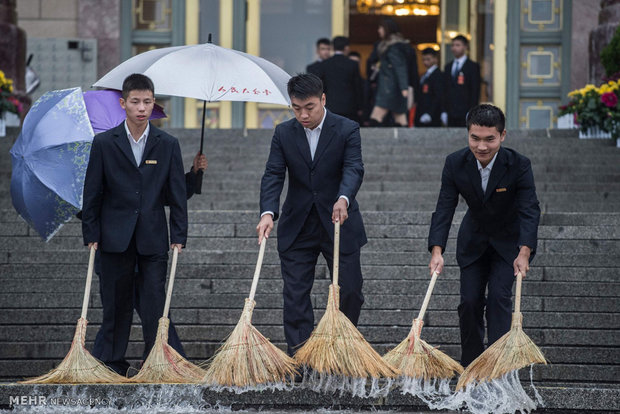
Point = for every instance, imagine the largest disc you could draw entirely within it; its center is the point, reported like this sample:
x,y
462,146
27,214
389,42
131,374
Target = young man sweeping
x,y
499,233
133,170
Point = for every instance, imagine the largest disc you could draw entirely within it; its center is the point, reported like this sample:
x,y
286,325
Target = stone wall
x,y
608,20
76,18
584,20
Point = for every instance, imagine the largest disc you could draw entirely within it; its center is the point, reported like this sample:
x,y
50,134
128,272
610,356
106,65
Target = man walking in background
x,y
323,52
342,82
430,99
462,84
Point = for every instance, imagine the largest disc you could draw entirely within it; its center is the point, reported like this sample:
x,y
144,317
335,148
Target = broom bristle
x,y
79,366
164,364
421,360
248,359
336,347
513,351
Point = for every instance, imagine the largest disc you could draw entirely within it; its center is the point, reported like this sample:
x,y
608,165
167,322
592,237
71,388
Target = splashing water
x,y
142,400
271,386
357,387
502,395
430,391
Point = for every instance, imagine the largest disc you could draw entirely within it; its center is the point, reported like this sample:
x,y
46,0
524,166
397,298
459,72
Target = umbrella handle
x,y
336,266
427,298
89,281
518,293
198,189
259,264
173,271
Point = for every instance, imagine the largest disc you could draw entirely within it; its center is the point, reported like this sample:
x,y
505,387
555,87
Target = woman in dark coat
x,y
393,81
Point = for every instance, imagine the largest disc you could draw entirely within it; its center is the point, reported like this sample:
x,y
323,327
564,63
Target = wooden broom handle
x,y
518,293
427,298
173,271
336,252
259,264
89,281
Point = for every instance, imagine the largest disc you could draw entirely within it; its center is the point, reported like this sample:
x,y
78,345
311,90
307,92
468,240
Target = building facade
x,y
531,52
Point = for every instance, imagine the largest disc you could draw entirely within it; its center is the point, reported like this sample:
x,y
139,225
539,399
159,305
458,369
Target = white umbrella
x,y
208,72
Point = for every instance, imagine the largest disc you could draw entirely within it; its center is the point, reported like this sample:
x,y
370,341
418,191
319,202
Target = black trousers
x,y
129,280
492,272
298,265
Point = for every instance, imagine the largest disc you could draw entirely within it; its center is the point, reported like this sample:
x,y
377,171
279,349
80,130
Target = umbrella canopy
x,y
207,72
105,111
49,161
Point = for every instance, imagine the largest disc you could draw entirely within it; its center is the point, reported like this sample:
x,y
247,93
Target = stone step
x,y
206,300
372,286
264,316
9,215
271,257
594,246
272,271
204,226
373,334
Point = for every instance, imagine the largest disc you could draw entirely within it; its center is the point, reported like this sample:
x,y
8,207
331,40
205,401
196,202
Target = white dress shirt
x,y
137,147
313,135
427,74
457,65
485,172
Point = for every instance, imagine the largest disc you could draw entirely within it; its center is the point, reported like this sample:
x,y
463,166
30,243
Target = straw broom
x,y
336,347
512,351
248,359
416,358
164,364
79,366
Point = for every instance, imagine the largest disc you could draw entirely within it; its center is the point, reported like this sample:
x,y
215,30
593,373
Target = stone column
x,y
13,50
608,20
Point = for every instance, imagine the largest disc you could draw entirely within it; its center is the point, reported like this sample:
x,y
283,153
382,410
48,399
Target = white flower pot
x,y
2,126
594,132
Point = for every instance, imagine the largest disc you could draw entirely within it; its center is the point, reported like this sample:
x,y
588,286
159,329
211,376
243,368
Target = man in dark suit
x,y
323,51
342,82
322,153
133,170
499,233
430,98
462,84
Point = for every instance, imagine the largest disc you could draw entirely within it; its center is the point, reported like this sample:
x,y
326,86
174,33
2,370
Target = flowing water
x,y
503,395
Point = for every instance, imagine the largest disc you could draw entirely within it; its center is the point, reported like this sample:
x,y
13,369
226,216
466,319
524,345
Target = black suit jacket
x,y
337,169
461,97
314,67
505,217
430,99
121,199
342,84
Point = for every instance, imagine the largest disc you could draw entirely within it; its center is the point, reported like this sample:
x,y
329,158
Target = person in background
x,y
323,52
391,73
342,82
499,233
430,99
462,78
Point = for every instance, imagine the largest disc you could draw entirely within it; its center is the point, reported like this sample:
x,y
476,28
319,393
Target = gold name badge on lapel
x,y
500,190
150,161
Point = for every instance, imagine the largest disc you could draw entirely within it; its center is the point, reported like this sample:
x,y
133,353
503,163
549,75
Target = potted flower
x,y
8,101
595,110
